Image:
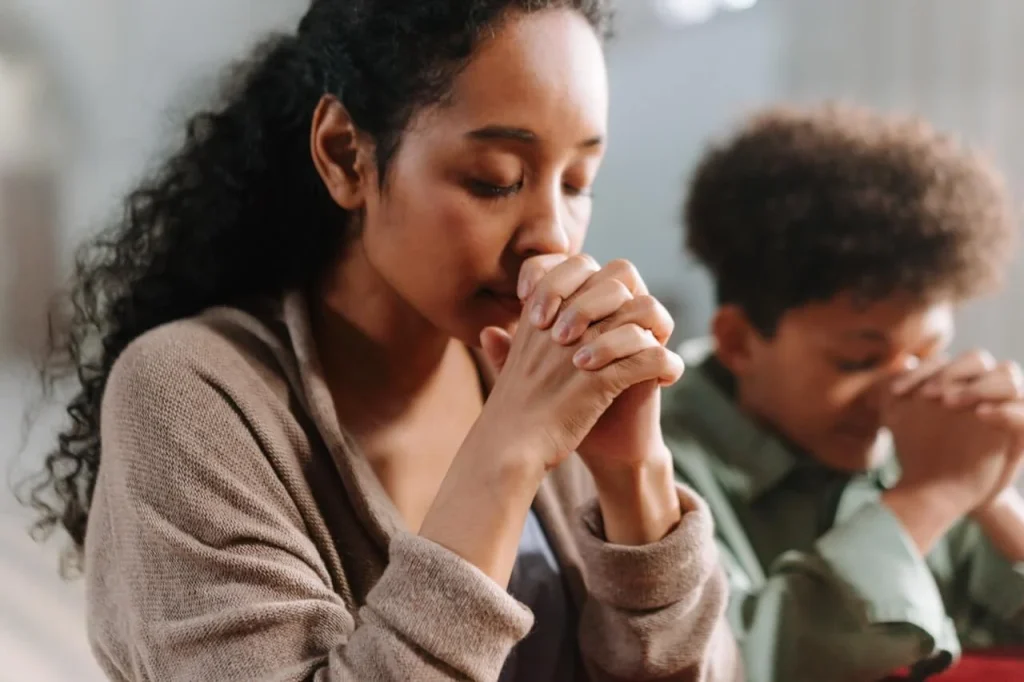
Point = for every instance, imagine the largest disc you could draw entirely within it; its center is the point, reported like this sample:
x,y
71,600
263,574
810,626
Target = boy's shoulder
x,y
694,401
687,396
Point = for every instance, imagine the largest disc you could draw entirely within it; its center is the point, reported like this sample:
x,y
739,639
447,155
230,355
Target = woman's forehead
x,y
543,72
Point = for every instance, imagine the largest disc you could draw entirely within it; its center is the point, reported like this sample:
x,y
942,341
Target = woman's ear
x,y
341,154
734,336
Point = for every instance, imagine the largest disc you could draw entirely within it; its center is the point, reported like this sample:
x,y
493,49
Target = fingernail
x,y
537,314
583,358
524,289
562,330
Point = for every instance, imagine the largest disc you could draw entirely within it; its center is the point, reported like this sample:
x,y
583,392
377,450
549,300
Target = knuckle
x,y
982,357
1015,374
660,313
670,324
647,305
529,269
533,269
1009,367
622,266
542,287
650,309
660,355
625,270
619,290
636,332
547,290
586,261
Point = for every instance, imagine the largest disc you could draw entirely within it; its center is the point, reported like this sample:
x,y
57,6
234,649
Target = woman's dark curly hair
x,y
801,205
239,211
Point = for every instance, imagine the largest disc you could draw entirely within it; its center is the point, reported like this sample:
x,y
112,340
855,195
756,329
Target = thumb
x,y
495,343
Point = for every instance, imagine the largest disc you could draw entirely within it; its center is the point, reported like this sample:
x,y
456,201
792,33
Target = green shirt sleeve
x,y
872,555
986,590
819,615
997,585
861,606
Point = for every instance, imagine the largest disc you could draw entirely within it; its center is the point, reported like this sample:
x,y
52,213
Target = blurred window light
x,y
737,5
20,93
688,12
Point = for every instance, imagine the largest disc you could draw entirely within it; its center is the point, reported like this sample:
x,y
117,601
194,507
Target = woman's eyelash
x,y
487,190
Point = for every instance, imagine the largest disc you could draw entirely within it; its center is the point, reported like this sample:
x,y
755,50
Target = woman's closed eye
x,y
489,190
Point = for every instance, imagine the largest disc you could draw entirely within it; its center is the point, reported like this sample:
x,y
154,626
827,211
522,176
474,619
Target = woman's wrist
x,y
639,501
483,502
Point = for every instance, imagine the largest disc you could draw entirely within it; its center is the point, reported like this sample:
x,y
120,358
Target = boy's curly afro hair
x,y
804,204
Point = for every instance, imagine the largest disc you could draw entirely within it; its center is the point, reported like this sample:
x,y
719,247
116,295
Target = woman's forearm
x,y
481,507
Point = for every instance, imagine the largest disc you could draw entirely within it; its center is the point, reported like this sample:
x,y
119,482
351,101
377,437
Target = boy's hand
x,y
958,428
976,382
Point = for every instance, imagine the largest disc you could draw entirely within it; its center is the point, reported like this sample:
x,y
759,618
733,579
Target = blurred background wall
x,y
92,90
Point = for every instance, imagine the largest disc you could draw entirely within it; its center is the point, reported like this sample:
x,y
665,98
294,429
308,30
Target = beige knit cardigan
x,y
236,533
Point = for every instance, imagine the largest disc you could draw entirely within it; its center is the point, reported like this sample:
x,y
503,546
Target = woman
x,y
298,477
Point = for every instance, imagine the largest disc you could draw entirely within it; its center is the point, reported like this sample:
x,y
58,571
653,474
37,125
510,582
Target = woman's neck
x,y
405,391
379,355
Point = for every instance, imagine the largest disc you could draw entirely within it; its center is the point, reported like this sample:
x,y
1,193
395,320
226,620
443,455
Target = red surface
x,y
988,666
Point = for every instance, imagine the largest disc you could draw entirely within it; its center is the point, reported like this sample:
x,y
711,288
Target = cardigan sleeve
x,y
656,612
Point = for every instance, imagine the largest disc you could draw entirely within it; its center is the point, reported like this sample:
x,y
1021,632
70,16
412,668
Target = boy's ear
x,y
734,337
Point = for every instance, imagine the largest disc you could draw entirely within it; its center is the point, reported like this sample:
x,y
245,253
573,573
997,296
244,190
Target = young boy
x,y
840,243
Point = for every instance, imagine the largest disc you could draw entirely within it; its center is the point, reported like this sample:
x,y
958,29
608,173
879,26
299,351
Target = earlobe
x,y
339,154
733,336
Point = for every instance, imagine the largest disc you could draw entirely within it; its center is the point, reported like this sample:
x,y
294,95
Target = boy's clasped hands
x,y
958,430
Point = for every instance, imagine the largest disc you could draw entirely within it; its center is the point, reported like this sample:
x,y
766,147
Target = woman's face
x,y
497,174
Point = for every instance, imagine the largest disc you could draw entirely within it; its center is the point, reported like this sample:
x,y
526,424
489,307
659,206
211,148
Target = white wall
x,y
126,65
672,88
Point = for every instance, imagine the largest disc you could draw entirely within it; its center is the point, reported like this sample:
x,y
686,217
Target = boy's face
x,y
817,381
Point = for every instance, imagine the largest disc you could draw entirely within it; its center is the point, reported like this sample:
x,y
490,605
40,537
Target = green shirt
x,y
826,584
